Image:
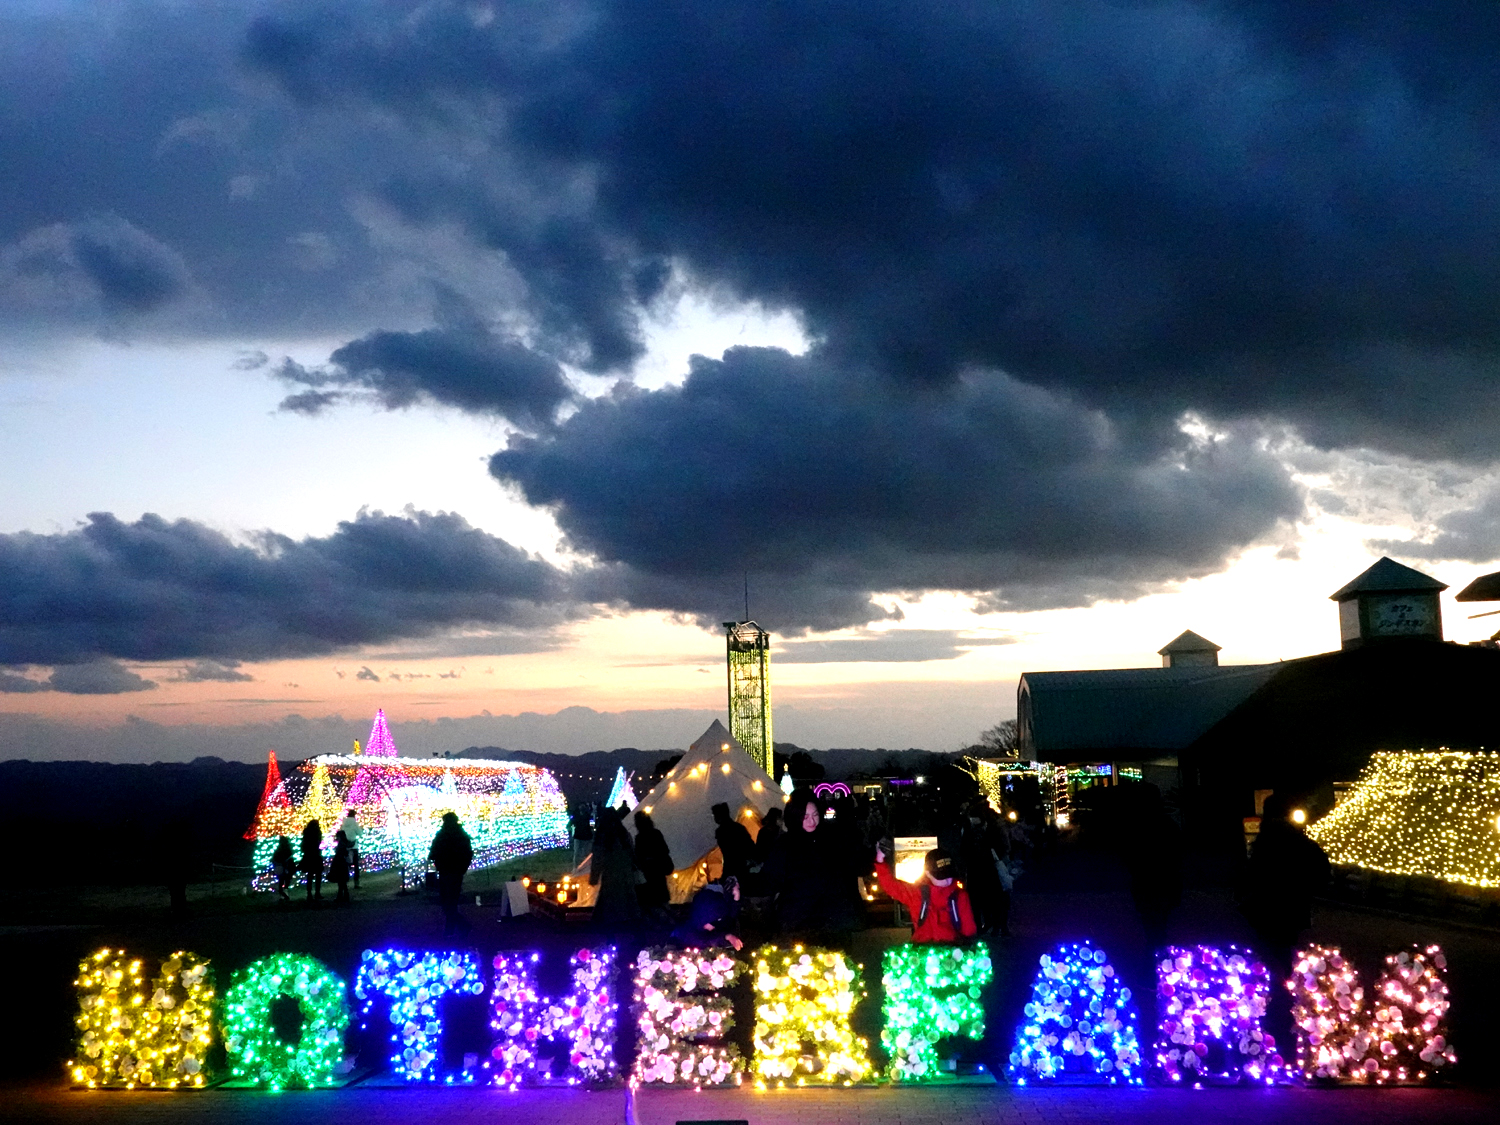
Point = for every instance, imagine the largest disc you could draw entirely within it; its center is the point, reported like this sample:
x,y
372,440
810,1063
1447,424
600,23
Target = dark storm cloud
x,y
825,485
213,671
1026,238
64,268
12,684
1243,209
1239,209
154,590
461,363
98,677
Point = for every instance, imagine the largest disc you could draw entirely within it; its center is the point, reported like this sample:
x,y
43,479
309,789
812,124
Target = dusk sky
x,y
469,359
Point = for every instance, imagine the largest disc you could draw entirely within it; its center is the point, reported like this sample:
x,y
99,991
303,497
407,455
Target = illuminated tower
x,y
749,649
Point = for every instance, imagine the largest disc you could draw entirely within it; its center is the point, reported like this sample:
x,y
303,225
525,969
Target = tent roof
x,y
715,768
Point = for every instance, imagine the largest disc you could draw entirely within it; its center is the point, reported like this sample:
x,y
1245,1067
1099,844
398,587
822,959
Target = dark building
x,y
1218,734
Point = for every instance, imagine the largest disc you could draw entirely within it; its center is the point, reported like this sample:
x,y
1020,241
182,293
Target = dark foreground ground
x,y
997,1105
1067,896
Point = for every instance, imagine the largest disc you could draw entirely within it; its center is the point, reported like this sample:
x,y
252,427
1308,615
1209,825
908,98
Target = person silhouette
x,y
312,860
451,853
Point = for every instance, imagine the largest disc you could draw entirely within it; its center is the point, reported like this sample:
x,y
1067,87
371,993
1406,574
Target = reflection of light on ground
x,y
909,868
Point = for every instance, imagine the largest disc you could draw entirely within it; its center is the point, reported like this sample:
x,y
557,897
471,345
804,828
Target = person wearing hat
x,y
939,905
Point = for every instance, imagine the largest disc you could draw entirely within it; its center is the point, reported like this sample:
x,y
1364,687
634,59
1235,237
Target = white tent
x,y
716,768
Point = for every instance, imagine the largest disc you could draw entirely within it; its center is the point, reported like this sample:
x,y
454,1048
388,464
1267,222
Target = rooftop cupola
x,y
1389,601
1189,651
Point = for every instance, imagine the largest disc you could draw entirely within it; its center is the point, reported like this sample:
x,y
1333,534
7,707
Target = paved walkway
x,y
968,1105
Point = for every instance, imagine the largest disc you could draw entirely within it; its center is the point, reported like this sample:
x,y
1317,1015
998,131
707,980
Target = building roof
x,y
1485,588
1093,715
1320,717
1188,641
1387,577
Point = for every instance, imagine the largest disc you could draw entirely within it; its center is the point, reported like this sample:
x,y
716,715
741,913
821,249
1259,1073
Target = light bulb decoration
x,y
803,1001
1080,1022
1396,1035
524,1020
1211,1002
409,988
1409,1018
130,1038
1429,813
261,1054
932,992
1334,1040
683,1017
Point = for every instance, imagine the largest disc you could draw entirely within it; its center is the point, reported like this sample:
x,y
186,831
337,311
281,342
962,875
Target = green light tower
x,y
749,650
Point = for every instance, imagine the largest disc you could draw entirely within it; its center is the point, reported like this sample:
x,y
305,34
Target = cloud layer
x,y
824,485
1063,266
1163,207
159,590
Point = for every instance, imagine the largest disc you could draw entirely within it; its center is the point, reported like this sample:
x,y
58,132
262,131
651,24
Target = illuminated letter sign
x,y
284,1022
582,1023
931,993
1211,1003
414,984
803,999
129,1038
1397,1035
1080,1020
682,1017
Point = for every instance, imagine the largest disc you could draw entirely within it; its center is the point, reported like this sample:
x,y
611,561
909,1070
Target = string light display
x,y
1400,1035
509,809
620,793
931,993
683,1017
380,744
131,1039
1328,1011
1409,1017
266,1055
414,985
1212,1002
524,1021
1429,813
1080,1021
996,778
804,999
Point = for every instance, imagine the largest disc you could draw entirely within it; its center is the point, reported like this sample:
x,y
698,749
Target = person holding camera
x,y
940,909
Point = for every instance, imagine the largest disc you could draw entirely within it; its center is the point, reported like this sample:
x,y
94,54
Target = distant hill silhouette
x,y
588,776
81,823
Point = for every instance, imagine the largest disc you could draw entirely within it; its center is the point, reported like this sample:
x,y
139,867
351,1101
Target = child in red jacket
x,y
939,904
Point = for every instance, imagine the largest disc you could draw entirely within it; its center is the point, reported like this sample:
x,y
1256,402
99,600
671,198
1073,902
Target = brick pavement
x,y
989,1106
